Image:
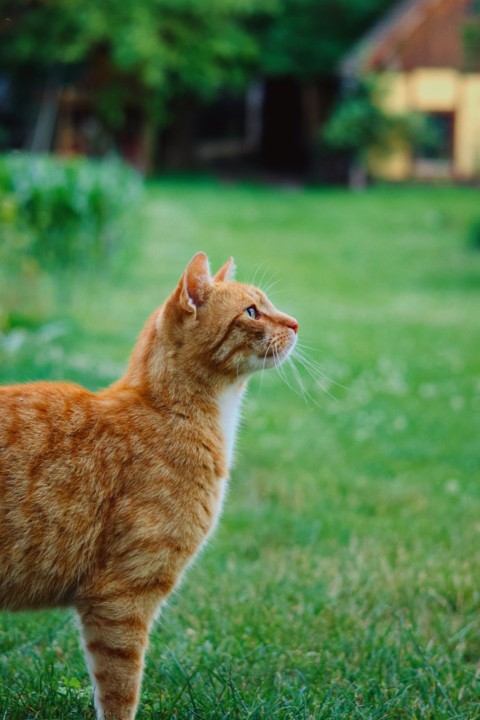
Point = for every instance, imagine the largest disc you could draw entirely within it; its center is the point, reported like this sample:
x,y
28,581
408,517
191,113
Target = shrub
x,y
63,213
473,234
56,216
360,126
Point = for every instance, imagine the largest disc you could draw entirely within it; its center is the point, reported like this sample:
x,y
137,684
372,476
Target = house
x,y
425,63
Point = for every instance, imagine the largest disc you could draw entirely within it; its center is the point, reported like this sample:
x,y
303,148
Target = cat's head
x,y
225,326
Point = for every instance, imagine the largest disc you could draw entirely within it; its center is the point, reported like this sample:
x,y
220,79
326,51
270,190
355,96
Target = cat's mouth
x,y
275,355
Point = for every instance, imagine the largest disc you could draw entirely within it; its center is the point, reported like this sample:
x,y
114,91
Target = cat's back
x,y
39,423
26,409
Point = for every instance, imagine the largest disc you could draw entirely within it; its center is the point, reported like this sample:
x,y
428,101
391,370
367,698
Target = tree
x,y
157,53
303,41
307,38
155,49
471,38
360,126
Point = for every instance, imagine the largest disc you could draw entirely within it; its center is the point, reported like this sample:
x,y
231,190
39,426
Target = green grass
x,y
343,581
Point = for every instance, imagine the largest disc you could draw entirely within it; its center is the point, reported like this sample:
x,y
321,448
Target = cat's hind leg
x,y
115,638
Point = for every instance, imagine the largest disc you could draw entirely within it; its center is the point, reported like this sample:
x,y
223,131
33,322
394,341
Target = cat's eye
x,y
252,312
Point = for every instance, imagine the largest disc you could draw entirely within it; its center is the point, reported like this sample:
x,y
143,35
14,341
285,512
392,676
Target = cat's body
x,y
105,498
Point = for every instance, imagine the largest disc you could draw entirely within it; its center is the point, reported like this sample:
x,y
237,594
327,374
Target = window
x,y
438,143
433,155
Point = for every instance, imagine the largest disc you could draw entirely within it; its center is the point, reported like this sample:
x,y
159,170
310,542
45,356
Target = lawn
x,y
343,580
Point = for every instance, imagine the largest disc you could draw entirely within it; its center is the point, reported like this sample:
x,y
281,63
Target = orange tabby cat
x,y
105,498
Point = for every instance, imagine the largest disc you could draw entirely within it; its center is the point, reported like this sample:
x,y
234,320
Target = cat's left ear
x,y
227,272
195,283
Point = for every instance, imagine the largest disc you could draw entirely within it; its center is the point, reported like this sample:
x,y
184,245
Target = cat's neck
x,y
160,373
156,373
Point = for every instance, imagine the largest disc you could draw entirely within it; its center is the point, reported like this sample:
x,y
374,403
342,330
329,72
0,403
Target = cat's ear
x,y
195,283
227,272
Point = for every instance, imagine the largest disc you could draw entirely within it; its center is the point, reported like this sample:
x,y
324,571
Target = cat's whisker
x,y
303,345
262,282
306,360
281,371
276,293
301,348
257,270
311,364
311,371
296,373
267,289
297,376
314,374
264,363
270,347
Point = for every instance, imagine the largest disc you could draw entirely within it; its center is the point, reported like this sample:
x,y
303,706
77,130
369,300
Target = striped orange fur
x,y
105,498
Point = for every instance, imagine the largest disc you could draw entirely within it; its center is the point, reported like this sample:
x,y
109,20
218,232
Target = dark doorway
x,y
433,158
440,146
282,147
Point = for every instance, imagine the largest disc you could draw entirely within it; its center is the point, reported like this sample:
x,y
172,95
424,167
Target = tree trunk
x,y
179,140
44,128
357,177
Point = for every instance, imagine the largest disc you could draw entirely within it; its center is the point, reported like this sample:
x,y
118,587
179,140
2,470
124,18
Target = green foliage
x,y
155,50
360,125
309,37
63,213
473,234
57,217
152,50
471,37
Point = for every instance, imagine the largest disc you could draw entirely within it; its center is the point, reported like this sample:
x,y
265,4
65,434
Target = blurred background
x,y
300,88
333,148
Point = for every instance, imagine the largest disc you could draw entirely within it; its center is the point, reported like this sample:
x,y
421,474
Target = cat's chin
x,y
278,358
272,359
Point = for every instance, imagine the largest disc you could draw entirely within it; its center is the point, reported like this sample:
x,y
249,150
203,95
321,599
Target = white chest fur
x,y
229,404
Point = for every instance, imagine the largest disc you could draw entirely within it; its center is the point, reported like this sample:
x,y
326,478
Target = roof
x,y
379,44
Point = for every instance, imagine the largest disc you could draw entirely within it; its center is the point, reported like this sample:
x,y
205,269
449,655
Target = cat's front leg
x,y
115,638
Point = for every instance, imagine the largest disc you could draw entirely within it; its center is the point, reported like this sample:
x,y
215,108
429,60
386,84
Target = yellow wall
x,y
433,90
467,129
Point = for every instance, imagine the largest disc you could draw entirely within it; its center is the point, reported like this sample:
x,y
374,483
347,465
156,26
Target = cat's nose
x,y
291,323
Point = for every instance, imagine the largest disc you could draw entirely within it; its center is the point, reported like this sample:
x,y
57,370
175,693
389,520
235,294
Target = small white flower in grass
x,y
361,434
400,423
428,390
13,341
452,487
